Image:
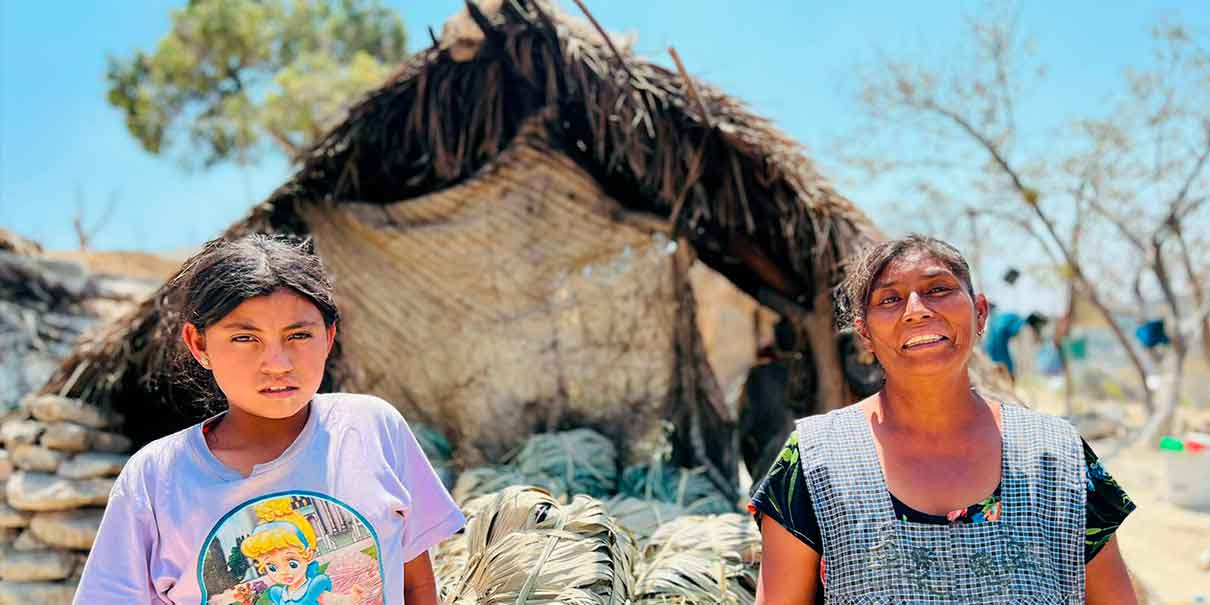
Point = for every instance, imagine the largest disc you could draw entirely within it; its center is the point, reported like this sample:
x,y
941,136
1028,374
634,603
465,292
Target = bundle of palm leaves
x,y
583,460
642,517
700,559
522,546
689,489
484,480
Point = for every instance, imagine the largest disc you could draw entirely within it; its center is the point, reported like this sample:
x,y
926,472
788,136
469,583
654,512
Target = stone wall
x,y
57,466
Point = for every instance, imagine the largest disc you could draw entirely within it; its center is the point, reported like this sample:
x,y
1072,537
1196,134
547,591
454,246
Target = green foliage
x,y
237,563
233,74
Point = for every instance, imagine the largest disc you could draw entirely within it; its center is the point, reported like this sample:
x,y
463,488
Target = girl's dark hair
x,y
854,291
227,272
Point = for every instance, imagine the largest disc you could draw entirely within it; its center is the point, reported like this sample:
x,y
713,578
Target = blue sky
x,y
792,61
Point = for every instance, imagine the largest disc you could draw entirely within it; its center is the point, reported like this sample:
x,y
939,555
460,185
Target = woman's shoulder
x,y
1037,420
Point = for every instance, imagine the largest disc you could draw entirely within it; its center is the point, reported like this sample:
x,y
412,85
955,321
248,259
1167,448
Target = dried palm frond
x,y
583,460
522,546
480,481
686,488
642,517
700,559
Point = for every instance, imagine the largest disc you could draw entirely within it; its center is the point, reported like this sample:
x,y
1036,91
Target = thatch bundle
x,y
642,517
480,481
700,559
689,489
522,546
583,460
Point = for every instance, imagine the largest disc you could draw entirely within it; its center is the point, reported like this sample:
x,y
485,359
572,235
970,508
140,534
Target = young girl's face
x,y
268,354
287,566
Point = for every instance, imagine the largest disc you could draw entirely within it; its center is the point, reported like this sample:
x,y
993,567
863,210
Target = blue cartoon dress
x,y
315,585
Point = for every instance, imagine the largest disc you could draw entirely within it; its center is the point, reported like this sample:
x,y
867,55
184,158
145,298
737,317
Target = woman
x,y
926,491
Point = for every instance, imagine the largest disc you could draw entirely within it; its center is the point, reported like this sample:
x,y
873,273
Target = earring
x,y
205,361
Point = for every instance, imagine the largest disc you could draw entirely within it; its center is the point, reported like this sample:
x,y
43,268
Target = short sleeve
x,y
1107,506
434,516
782,496
118,569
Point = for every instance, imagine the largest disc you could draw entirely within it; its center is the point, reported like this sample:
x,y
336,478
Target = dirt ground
x,y
1160,541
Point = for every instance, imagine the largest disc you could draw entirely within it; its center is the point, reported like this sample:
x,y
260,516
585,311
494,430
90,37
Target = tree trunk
x,y
1135,360
1195,285
1161,419
833,392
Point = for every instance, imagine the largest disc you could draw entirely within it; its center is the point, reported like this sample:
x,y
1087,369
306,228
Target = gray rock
x,y
110,442
21,432
51,408
37,368
28,541
37,593
93,464
13,518
66,436
37,458
75,529
43,492
6,466
34,565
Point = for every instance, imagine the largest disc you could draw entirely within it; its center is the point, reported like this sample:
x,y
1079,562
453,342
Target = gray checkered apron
x,y
1033,554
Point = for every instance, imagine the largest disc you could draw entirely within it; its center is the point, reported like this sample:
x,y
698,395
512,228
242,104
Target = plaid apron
x,y
1033,554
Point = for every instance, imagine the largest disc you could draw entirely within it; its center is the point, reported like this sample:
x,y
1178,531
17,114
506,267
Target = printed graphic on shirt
x,y
292,548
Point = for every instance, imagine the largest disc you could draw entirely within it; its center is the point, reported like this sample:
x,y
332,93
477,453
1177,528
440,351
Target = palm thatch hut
x,y
510,221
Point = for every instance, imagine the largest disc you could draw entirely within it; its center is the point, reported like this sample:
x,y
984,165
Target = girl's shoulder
x,y
338,411
156,460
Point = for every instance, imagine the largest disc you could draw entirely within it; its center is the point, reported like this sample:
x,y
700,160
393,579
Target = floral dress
x,y
782,495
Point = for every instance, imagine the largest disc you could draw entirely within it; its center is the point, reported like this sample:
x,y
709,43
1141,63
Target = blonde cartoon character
x,y
283,547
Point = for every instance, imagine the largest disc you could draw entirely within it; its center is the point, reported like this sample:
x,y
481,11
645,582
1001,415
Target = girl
x,y
287,496
926,492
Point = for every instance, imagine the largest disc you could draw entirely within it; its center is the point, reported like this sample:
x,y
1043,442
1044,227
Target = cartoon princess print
x,y
283,547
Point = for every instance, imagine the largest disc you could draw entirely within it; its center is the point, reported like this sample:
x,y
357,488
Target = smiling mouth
x,y
278,391
917,342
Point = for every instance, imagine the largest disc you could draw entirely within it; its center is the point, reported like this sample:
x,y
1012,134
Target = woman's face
x,y
920,319
268,354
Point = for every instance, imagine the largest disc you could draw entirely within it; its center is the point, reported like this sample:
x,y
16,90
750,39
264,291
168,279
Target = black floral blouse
x,y
782,495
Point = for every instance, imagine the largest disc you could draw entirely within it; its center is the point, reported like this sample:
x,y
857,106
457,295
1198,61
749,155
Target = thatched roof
x,y
743,193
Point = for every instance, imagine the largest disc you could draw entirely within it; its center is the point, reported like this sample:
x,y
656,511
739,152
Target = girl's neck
x,y
243,440
936,405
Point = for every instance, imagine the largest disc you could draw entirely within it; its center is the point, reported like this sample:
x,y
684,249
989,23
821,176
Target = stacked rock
x,y
57,467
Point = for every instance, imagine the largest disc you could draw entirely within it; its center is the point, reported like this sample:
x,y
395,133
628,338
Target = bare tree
x,y
85,230
971,117
1146,175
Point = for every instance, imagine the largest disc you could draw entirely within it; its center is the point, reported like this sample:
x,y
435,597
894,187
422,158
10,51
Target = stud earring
x,y
205,361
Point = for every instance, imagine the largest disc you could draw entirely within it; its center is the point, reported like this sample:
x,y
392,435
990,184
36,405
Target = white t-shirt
x,y
338,513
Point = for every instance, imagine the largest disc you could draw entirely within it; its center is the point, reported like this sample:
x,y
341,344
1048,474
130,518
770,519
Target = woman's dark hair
x,y
863,273
227,272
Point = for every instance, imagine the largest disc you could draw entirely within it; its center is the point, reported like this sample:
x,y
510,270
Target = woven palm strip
x,y
700,559
522,546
